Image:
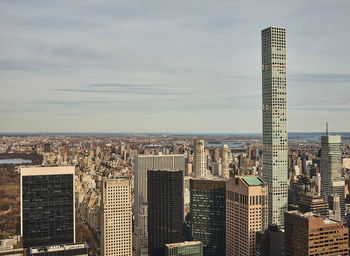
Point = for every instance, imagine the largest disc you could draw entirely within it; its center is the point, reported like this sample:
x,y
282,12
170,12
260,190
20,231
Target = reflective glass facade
x,y
48,209
208,208
165,209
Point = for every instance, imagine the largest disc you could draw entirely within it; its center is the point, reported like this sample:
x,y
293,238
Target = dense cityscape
x,y
272,193
168,194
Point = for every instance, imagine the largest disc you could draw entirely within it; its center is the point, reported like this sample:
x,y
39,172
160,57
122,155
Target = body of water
x,y
15,161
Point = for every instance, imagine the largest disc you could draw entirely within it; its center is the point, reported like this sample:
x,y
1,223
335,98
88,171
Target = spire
x,y
326,128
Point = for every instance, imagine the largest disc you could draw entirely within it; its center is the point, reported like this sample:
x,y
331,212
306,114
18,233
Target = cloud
x,y
326,77
331,109
166,64
129,89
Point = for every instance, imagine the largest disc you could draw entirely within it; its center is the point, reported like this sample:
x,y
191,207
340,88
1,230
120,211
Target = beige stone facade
x,y
246,213
116,218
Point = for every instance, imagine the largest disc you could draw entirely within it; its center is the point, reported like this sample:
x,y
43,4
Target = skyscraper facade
x,y
165,209
116,218
142,163
332,181
47,205
199,160
207,205
310,234
274,109
246,211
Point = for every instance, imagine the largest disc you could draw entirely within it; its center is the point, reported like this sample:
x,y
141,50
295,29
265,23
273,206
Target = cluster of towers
x,y
239,215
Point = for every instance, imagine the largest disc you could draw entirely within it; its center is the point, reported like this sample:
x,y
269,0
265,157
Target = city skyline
x,y
123,67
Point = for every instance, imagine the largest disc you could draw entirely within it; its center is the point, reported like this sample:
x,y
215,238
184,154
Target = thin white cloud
x,y
202,59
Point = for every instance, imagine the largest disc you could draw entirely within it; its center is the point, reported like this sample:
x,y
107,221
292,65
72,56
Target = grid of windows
x,y
208,211
116,218
275,138
165,209
48,210
245,215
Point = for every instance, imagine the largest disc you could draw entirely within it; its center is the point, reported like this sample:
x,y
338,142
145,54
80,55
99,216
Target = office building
x,y
116,218
310,234
332,181
274,109
192,248
207,205
199,160
270,242
47,205
142,163
225,161
77,249
246,214
165,209
312,202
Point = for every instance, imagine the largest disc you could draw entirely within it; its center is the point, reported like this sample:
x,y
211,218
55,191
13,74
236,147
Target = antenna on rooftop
x,y
327,128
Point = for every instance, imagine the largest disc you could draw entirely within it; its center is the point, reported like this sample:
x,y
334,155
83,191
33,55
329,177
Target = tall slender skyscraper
x,y
116,217
142,163
165,209
199,160
274,109
332,181
47,205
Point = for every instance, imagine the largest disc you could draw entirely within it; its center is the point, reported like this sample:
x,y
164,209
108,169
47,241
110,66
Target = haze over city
x,y
167,66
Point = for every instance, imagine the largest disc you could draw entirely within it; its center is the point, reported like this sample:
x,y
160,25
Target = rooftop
x,y
186,243
311,215
59,247
252,180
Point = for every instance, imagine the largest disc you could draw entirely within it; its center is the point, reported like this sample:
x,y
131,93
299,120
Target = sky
x,y
168,65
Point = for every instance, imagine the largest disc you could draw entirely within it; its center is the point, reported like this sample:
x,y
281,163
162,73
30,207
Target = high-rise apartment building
x,y
332,181
142,163
274,109
310,234
207,206
246,210
225,161
47,205
192,248
116,218
199,159
165,209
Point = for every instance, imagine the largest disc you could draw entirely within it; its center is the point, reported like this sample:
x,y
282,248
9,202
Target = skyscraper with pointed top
x,y
274,109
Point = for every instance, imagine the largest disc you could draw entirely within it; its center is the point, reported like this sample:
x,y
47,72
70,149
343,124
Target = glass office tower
x,y
47,206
